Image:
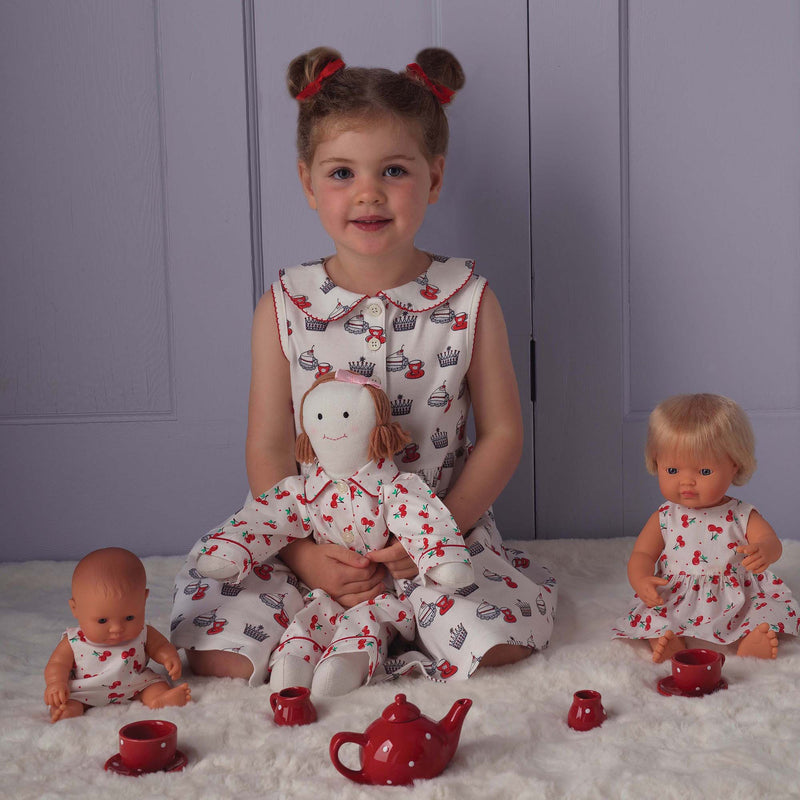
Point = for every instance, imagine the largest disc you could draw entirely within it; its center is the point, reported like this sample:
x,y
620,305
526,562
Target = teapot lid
x,y
400,710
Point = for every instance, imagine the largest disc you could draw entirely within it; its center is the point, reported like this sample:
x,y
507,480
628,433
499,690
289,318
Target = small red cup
x,y
697,670
148,745
293,706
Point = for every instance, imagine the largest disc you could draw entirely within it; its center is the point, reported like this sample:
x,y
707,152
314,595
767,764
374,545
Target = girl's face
x,y
371,184
692,481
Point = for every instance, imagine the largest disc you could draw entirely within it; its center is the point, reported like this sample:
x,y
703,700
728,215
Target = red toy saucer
x,y
667,687
114,764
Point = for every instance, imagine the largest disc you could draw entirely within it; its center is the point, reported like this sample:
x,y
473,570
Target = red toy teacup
x,y
697,670
148,745
293,706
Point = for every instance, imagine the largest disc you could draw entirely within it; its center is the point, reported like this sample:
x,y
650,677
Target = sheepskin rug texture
x,y
740,743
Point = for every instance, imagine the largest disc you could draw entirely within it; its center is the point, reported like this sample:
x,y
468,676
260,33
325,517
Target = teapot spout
x,y
454,719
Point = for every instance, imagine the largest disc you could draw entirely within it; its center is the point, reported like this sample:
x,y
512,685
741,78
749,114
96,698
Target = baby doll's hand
x,y
646,589
396,560
755,559
56,694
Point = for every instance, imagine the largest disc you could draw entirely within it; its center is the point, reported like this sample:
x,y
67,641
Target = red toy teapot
x,y
402,745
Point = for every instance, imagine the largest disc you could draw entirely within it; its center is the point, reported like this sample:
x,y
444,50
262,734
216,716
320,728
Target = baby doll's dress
x,y
105,674
417,340
710,595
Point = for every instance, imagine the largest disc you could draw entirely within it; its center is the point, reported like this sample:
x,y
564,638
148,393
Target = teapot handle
x,y
336,742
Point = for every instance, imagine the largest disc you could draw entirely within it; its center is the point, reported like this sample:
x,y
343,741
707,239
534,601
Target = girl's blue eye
x,y
705,471
342,174
672,470
395,171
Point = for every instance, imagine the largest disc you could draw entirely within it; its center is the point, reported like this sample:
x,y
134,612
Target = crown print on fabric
x,y
448,357
256,632
362,367
401,406
404,322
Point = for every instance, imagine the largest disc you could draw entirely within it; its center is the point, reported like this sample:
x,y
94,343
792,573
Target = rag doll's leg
x,y
761,642
301,646
360,642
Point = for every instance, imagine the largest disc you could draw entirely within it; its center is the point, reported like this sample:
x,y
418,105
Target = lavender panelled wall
x,y
666,199
652,160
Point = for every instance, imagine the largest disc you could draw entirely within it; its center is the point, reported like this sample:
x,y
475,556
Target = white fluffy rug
x,y
739,743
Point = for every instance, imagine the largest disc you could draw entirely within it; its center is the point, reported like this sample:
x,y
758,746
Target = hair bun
x,y
305,68
442,67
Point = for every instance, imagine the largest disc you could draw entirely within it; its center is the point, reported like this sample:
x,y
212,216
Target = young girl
x,y
372,147
699,566
104,659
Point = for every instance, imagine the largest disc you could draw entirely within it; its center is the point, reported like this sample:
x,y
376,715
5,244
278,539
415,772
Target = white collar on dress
x,y
310,288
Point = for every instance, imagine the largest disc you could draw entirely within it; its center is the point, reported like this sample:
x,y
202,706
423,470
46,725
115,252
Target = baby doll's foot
x,y
290,671
167,696
340,674
72,708
760,643
666,646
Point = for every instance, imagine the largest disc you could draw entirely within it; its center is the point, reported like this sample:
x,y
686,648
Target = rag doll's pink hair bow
x,y
345,376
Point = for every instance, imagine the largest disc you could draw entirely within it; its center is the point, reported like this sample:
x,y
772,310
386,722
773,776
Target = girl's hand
x,y
755,559
646,589
349,578
395,558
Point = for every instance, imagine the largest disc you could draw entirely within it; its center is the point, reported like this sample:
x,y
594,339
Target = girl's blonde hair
x,y
701,425
386,439
361,94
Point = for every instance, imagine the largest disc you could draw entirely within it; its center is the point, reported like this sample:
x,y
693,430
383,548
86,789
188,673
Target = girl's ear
x,y
304,171
437,178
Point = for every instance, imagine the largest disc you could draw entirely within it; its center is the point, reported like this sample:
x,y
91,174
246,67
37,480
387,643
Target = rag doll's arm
x,y
160,650
56,674
258,531
763,545
641,566
427,530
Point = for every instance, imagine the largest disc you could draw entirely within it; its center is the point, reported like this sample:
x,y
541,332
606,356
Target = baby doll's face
x,y
339,418
109,620
694,482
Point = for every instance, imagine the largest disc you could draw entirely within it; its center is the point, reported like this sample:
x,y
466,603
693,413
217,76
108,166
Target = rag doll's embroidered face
x,y
339,418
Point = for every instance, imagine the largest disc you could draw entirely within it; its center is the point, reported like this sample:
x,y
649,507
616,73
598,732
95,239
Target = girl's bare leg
x,y
219,664
762,642
666,646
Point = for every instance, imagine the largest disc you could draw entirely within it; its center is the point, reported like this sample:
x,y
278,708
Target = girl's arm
x,y
56,674
158,647
642,564
346,576
498,419
763,545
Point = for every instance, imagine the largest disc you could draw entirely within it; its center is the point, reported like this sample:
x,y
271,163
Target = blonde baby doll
x,y
700,565
104,659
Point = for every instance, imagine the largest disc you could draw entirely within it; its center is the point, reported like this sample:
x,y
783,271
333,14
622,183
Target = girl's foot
x,y
163,694
666,646
72,708
760,643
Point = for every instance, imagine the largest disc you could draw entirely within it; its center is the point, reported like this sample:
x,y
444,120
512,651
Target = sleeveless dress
x,y
417,340
104,674
710,596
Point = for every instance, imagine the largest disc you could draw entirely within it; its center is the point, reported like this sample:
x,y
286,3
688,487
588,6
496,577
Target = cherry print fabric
x,y
104,674
358,513
417,341
710,595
